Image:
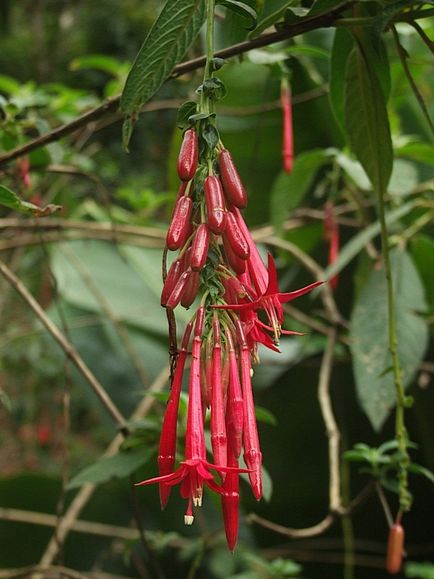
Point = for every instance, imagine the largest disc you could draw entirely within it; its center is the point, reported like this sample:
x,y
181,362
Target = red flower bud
x,y
178,291
180,224
395,547
235,237
191,288
199,247
232,185
236,263
171,279
215,204
288,139
188,155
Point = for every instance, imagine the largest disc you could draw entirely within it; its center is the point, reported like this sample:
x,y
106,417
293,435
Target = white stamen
x,y
188,519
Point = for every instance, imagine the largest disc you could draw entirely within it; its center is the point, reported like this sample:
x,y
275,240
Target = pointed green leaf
x,y
366,120
10,199
119,465
289,189
243,9
168,40
342,46
369,336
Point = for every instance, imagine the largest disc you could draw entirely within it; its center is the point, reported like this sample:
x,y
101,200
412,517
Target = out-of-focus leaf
x,y
359,241
119,465
289,189
422,251
403,179
421,152
168,40
272,18
421,470
10,199
5,400
265,416
342,46
101,62
369,336
243,9
366,120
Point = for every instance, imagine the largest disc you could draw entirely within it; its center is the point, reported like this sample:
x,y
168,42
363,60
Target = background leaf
x,y
119,465
167,42
366,119
289,189
10,199
369,336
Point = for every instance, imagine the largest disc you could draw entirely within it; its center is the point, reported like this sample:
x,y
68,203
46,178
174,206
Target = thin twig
x,y
423,35
333,435
49,572
66,346
87,490
111,105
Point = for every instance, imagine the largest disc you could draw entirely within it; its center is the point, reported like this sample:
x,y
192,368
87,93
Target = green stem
x,y
400,430
205,103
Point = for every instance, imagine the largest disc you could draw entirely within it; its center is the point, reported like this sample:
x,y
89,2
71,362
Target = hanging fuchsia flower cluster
x,y
219,266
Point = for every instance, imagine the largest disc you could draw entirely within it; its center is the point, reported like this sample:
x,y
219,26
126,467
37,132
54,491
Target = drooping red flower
x,y
271,301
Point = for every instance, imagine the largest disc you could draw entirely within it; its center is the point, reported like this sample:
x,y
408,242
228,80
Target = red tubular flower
x,y
256,267
218,426
287,131
252,451
235,237
231,501
271,301
167,448
235,411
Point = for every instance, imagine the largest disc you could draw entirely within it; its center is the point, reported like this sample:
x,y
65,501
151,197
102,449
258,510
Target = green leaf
x,y
243,9
419,469
186,110
366,120
422,251
415,570
369,336
271,19
264,415
10,199
119,465
359,241
342,45
5,400
289,189
100,62
211,136
168,40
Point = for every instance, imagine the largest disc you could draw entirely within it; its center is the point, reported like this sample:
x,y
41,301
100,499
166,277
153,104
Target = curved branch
x,y
111,105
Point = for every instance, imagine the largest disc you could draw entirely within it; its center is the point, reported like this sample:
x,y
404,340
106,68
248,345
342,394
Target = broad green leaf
x,y
404,178
168,40
359,241
243,9
10,199
119,465
366,120
421,152
369,336
342,46
289,189
264,415
129,280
